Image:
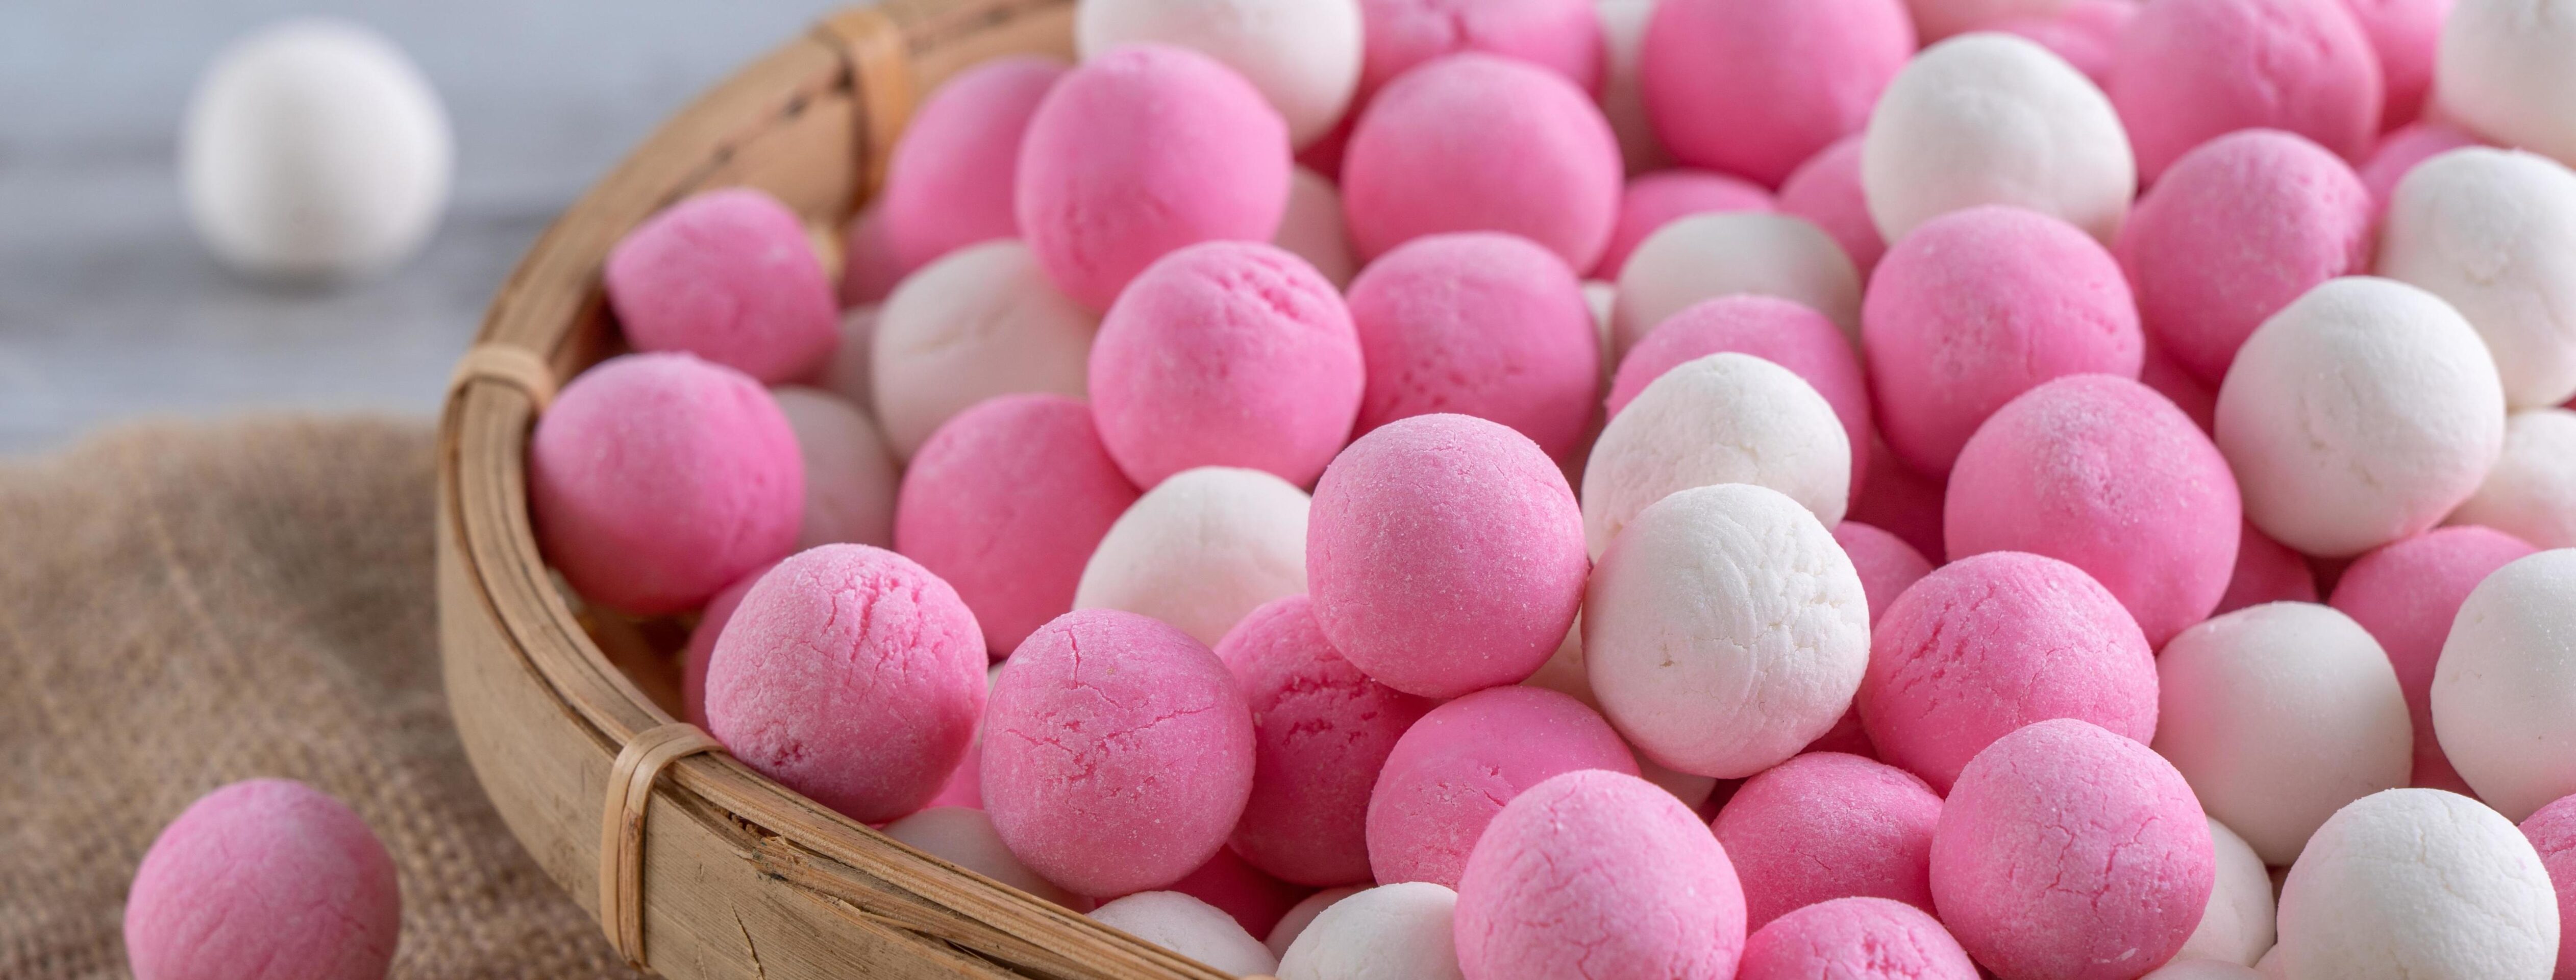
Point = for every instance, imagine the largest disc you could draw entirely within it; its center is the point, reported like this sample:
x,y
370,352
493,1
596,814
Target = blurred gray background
x,y
110,310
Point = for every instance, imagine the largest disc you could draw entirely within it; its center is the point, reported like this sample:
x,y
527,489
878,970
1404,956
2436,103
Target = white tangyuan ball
x,y
1995,119
2418,884
1201,550
1190,927
1302,915
978,322
2493,233
1724,418
1304,55
1391,932
2504,689
2507,69
2236,926
964,836
1706,256
2361,413
2531,493
315,149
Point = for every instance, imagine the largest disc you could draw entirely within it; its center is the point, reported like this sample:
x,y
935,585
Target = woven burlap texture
x,y
182,606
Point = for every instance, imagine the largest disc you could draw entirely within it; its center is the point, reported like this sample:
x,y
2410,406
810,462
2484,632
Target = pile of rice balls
x,y
1557,490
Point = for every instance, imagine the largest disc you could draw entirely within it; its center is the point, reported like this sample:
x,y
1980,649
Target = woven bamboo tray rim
x,y
741,878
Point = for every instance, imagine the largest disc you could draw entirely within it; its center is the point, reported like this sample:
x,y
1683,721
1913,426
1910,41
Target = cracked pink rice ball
x,y
2188,71
1826,825
1854,939
2105,474
1482,324
951,180
852,675
1756,87
727,275
266,878
1446,555
1475,142
1140,152
657,479
2069,852
1991,643
1458,765
1321,732
1118,753
1598,874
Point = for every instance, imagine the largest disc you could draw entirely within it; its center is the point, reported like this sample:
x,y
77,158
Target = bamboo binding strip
x,y
508,364
621,832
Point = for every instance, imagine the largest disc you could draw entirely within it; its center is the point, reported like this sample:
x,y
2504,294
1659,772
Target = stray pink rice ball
x,y
1788,334
1976,307
2552,831
1854,939
2406,594
1906,503
1482,324
702,645
263,878
2195,397
852,675
1653,200
2238,228
2400,150
951,179
1826,825
1226,354
1445,554
727,275
1756,87
1006,502
1990,643
1253,899
657,479
2103,473
869,270
1140,152
1321,732
1475,142
2266,571
1887,565
2084,32
2070,852
1826,190
2406,34
1118,753
2189,71
1457,767
1598,874
1562,36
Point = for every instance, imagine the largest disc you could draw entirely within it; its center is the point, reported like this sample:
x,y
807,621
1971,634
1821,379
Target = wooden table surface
x,y
109,308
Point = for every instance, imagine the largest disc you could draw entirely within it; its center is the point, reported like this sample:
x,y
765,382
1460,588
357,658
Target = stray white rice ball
x,y
1995,119
1201,550
850,478
1312,227
1937,19
2236,927
1304,55
1724,630
2360,414
1705,256
1391,932
2189,967
2493,233
980,321
2279,715
2531,493
1302,915
2418,884
2507,69
964,836
1189,927
2504,689
1623,100
1725,418
315,149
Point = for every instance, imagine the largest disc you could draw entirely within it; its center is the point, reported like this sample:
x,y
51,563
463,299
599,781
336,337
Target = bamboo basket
x,y
737,876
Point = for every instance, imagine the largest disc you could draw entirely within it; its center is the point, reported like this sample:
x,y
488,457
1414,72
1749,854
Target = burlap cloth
x,y
182,606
